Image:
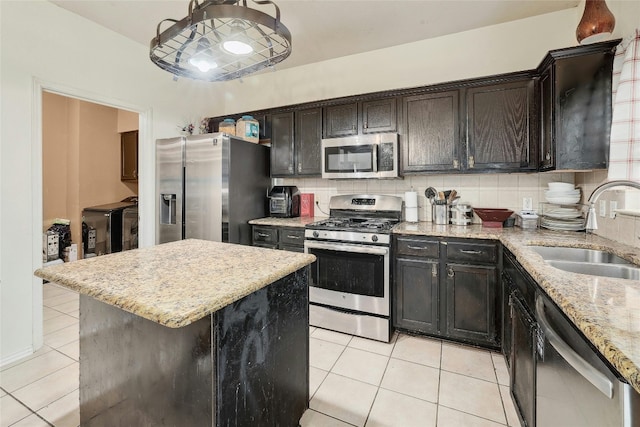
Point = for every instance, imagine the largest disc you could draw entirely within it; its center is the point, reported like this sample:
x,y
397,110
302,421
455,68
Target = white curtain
x,y
624,150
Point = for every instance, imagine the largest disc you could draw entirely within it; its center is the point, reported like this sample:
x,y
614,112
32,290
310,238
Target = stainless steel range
x,y
349,288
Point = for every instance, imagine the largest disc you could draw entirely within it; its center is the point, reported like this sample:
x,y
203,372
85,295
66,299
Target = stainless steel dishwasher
x,y
575,386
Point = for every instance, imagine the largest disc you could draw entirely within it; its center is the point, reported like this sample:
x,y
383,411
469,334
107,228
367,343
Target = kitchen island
x,y
191,333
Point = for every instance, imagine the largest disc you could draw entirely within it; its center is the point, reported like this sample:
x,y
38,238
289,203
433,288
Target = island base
x,y
246,364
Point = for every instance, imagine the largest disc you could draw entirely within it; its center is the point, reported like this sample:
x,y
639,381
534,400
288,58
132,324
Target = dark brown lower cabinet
x,y
523,361
471,303
274,237
417,294
448,288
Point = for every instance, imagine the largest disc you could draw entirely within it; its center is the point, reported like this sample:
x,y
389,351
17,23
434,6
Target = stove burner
x,y
364,224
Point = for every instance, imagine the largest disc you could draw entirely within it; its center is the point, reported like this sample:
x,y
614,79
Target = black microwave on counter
x,y
284,201
360,156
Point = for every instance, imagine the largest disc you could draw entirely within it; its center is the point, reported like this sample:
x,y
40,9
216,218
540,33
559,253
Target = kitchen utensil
x,y
441,195
430,193
452,196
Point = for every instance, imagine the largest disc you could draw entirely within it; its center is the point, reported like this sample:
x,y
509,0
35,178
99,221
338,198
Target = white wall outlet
x,y
527,204
613,206
603,208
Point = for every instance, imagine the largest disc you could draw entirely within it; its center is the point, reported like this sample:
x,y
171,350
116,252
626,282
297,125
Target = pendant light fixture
x,y
221,40
597,23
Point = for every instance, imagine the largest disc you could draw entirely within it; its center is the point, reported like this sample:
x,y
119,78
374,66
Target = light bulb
x,y
201,60
202,64
237,47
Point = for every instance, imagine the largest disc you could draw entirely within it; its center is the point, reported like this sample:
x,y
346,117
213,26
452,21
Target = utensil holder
x,y
440,214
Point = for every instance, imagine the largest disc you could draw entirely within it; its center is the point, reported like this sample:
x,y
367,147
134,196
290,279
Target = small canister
x,y
460,214
228,126
248,129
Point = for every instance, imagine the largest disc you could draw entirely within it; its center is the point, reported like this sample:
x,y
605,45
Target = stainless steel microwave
x,y
361,156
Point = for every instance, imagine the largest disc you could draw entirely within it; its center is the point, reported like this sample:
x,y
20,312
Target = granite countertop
x,y
300,221
175,284
606,310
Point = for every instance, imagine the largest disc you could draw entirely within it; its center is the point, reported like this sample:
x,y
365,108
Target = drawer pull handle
x,y
470,252
291,236
263,235
418,248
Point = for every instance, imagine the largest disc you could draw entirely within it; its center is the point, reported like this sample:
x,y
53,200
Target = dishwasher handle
x,y
595,377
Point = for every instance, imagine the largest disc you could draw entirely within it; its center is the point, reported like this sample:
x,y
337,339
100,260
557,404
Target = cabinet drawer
x,y
417,247
265,235
292,236
472,252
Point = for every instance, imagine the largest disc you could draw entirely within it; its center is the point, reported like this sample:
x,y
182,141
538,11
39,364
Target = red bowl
x,y
492,217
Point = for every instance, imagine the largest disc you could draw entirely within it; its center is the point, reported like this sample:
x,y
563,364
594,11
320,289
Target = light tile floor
x,y
412,381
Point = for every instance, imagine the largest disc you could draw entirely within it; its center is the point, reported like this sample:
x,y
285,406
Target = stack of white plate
x,y
563,219
562,193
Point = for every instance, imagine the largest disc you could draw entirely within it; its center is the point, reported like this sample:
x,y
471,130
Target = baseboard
x,y
16,356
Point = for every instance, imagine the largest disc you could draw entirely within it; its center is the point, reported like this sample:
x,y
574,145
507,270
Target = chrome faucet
x,y
591,223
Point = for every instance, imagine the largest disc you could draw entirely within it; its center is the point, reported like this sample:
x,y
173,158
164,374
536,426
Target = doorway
x,y
82,160
146,163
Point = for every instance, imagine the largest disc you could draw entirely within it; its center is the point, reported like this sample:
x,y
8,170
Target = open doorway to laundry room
x,y
89,158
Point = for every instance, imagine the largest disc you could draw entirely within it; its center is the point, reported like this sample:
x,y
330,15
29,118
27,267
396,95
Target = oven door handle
x,y
374,250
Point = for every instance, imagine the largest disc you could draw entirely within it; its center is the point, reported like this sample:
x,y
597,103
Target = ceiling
x,y
325,29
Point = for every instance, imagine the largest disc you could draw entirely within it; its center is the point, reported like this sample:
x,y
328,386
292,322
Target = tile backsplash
x,y
482,191
624,227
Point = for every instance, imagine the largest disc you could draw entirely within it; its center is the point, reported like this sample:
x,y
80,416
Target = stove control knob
x,y
316,234
374,238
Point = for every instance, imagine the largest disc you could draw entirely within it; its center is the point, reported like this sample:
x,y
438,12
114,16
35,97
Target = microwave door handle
x,y
374,159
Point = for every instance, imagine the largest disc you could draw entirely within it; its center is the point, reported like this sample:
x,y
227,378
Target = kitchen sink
x,y
588,261
619,271
557,253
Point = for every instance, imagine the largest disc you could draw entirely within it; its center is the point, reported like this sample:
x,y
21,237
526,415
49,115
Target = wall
x,y
81,163
56,139
127,121
69,55
624,227
492,50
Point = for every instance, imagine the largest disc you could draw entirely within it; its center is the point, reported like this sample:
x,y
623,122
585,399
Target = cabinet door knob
x,y
299,167
434,270
471,162
547,156
450,272
456,164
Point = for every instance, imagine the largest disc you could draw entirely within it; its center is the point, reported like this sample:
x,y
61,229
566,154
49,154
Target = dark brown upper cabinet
x,y
308,135
295,142
379,116
282,144
575,107
129,156
430,134
353,118
501,127
340,120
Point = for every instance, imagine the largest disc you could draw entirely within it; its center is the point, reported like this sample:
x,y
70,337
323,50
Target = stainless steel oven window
x,y
353,277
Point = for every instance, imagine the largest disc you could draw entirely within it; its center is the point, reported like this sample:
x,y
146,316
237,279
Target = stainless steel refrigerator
x,y
209,186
